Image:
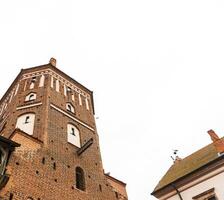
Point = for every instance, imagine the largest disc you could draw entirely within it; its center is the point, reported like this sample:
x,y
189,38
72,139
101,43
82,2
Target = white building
x,y
199,176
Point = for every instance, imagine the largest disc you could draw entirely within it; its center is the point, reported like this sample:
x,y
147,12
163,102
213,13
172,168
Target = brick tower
x,y
49,146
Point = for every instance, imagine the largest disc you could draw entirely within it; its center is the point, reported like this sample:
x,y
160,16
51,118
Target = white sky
x,y
156,68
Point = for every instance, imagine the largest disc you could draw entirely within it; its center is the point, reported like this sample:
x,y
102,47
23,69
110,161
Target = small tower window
x,y
80,179
27,119
70,107
30,97
73,131
33,79
69,89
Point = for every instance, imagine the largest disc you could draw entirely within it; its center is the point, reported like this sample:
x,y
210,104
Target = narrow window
x,y
73,131
54,166
116,194
69,108
100,187
80,179
10,196
27,119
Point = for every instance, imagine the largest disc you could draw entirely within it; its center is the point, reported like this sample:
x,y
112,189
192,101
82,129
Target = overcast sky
x,y
156,68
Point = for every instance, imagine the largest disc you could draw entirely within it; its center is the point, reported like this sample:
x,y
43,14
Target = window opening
x,y
80,179
27,120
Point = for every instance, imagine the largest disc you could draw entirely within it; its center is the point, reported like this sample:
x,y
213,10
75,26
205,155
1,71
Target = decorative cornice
x,y
58,77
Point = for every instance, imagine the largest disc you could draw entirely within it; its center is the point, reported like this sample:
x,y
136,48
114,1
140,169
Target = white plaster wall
x,y
73,139
26,127
216,182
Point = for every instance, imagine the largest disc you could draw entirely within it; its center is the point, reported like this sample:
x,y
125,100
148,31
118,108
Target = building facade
x,y
199,176
49,146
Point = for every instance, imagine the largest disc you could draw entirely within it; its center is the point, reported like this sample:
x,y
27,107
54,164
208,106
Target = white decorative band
x,y
73,118
28,106
58,77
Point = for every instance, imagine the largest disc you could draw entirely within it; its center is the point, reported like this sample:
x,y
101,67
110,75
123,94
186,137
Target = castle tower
x,y
49,146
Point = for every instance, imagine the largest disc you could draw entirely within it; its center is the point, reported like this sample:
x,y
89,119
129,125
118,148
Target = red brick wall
x,y
31,166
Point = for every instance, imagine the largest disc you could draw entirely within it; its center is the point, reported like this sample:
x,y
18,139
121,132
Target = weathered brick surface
x,y
43,167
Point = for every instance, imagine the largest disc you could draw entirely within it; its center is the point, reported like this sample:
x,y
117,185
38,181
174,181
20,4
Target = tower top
x,y
53,62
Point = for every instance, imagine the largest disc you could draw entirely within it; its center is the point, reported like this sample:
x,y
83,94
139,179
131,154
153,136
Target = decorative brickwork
x,y
44,166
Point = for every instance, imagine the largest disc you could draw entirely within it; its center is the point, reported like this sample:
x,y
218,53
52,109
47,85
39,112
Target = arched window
x,y
30,97
73,135
26,123
69,89
70,107
80,178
